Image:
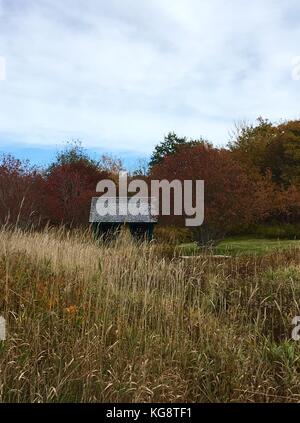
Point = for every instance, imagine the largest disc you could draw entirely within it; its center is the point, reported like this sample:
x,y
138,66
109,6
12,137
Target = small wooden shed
x,y
109,214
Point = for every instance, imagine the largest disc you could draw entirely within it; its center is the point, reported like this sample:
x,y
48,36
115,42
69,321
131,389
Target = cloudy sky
x,y
120,74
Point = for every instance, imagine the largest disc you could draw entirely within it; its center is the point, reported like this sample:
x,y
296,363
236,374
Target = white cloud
x,y
120,74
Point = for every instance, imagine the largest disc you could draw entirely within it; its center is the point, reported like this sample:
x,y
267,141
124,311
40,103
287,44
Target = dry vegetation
x,y
127,323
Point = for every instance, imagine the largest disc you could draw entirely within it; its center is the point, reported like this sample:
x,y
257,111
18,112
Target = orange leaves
x,y
71,310
229,189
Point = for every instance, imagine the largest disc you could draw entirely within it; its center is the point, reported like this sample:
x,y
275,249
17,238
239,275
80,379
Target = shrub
x,y
173,235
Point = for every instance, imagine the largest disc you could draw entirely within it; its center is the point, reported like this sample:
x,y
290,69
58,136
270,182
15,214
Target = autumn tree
x,y
268,147
21,193
73,152
232,197
110,164
71,183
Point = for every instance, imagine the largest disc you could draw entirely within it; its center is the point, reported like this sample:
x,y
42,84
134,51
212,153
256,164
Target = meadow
x,y
242,245
128,322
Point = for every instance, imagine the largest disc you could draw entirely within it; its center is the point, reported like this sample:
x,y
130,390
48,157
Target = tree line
x,y
254,179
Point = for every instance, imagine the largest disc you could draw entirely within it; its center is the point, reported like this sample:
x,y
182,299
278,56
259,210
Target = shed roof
x,y
123,209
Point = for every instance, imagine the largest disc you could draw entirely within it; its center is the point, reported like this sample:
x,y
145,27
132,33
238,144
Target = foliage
x,y
110,164
172,234
231,196
171,145
70,188
255,181
61,194
73,153
21,193
120,323
268,147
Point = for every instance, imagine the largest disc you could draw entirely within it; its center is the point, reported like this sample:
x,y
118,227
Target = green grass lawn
x,y
242,245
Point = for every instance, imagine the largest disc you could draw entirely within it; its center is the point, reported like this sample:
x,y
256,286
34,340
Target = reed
x,y
126,322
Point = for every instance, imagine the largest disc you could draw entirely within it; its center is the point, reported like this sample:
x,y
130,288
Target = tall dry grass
x,y
126,322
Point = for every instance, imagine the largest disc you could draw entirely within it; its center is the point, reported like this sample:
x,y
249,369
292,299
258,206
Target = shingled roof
x,y
118,212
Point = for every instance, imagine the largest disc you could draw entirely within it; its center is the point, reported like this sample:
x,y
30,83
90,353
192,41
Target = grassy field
x,y
88,322
243,246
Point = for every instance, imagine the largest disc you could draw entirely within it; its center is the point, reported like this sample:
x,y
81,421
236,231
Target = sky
x,y
121,74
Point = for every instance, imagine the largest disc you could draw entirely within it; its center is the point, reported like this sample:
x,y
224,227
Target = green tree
x,y
73,153
249,143
287,153
171,145
266,147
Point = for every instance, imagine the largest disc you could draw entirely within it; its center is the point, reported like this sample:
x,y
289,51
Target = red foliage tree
x,y
232,197
69,189
21,193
